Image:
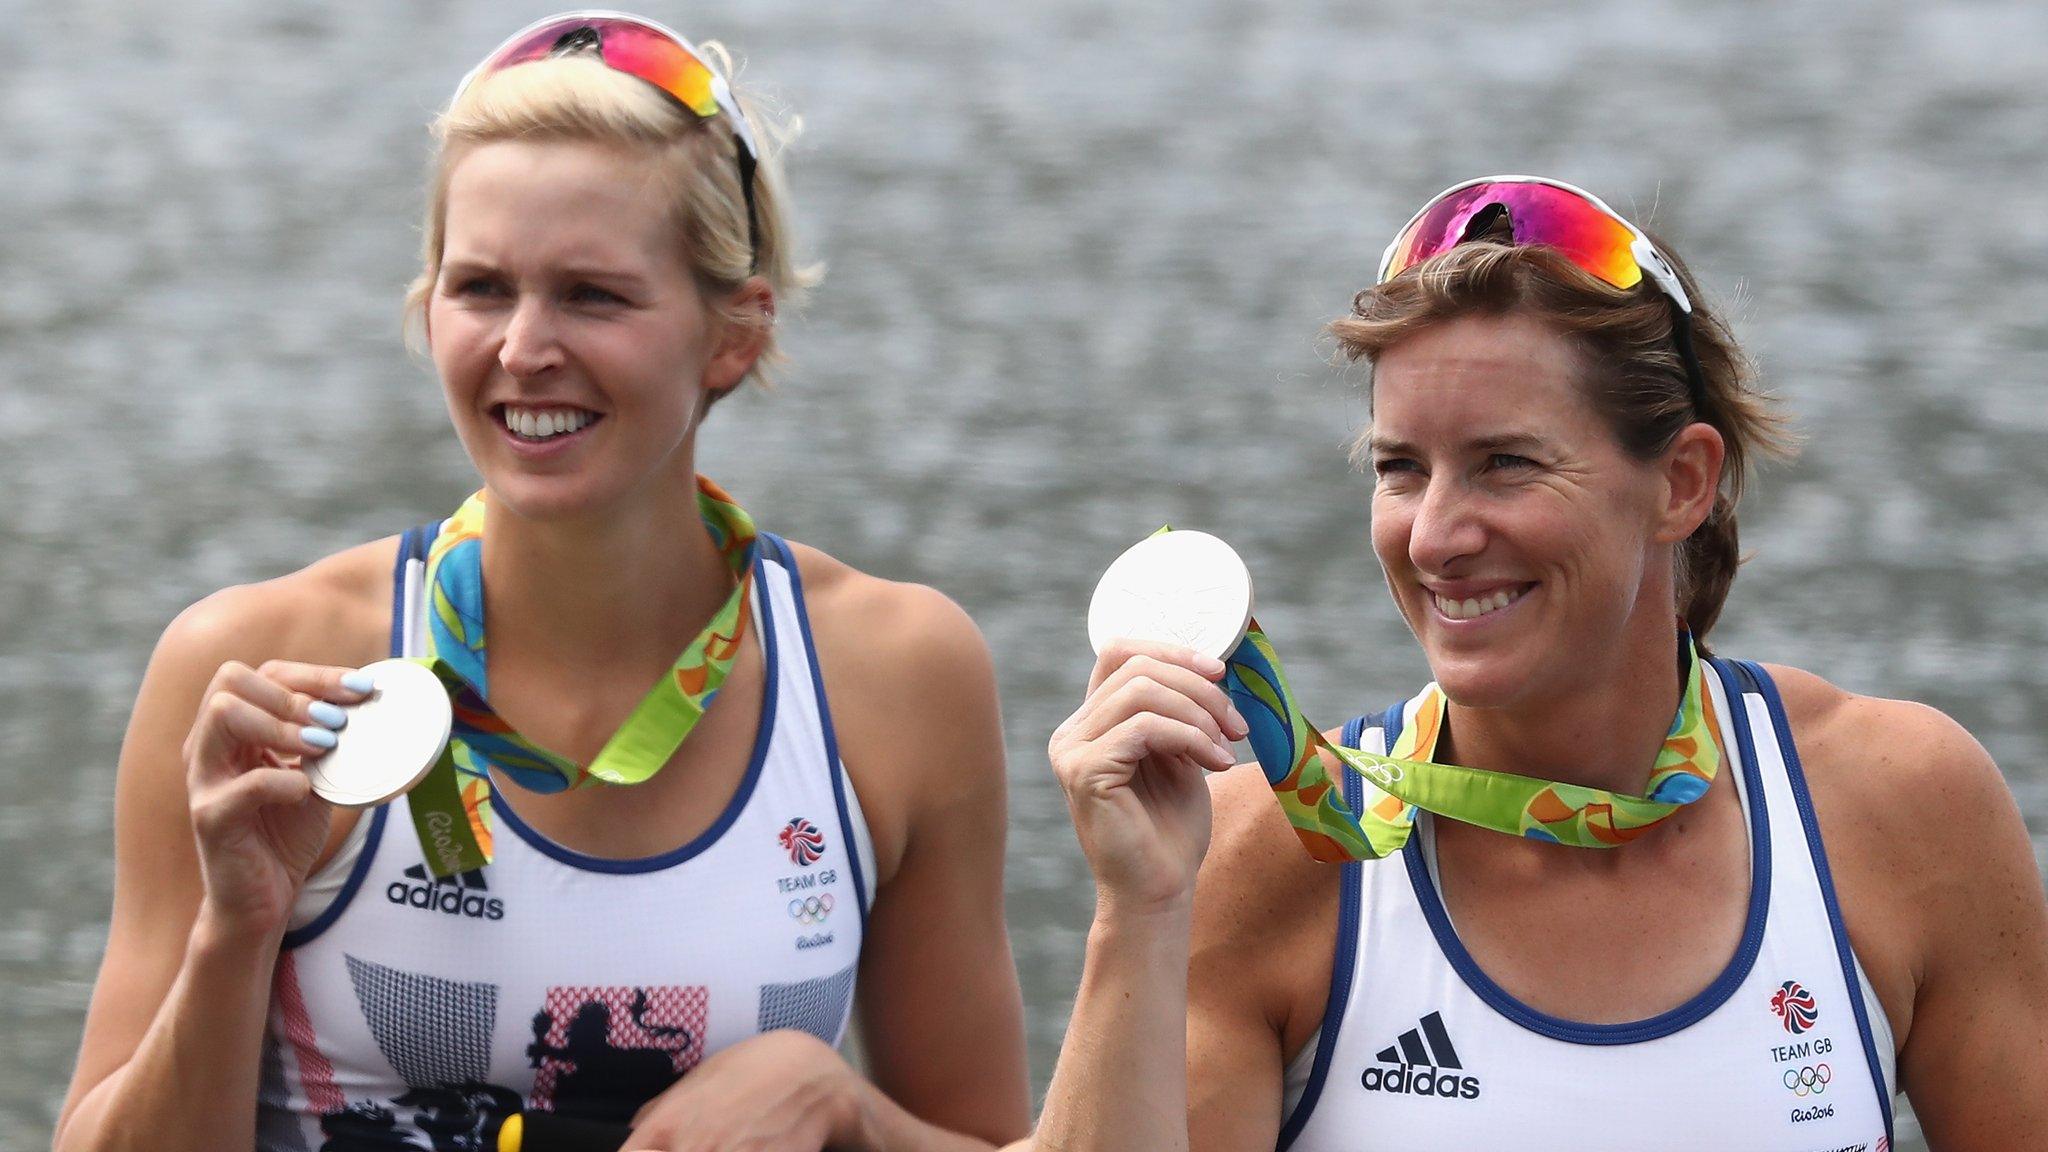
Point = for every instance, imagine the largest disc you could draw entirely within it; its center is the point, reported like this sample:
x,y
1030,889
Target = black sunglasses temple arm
x,y
747,167
1681,331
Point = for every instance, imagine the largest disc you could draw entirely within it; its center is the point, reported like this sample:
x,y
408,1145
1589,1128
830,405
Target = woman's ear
x,y
1691,468
745,321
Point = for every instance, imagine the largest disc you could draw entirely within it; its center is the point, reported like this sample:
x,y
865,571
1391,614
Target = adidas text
x,y
456,896
1415,1064
1420,1080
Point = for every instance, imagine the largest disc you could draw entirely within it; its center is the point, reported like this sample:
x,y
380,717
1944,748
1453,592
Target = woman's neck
x,y
631,588
1602,734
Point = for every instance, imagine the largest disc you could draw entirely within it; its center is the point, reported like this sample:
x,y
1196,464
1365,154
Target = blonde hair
x,y
580,98
1635,379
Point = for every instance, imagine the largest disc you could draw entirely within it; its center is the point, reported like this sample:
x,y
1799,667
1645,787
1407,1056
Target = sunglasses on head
x,y
1556,215
642,48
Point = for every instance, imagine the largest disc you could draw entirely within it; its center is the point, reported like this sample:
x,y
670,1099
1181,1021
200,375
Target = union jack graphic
x,y
1794,1006
803,840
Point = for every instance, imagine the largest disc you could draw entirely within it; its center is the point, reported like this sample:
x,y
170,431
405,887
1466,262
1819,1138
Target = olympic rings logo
x,y
1383,772
1811,1080
811,909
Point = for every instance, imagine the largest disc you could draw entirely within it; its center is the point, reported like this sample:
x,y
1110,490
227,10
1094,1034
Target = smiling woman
x,y
1725,887
651,908
554,252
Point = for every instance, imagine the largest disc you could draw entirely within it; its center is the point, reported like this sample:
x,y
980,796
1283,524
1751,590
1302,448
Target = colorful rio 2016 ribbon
x,y
1398,785
451,807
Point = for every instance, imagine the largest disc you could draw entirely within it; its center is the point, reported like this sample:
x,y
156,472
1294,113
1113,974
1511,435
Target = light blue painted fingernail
x,y
318,737
359,681
327,715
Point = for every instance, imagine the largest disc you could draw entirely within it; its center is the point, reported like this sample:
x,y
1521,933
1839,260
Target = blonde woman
x,y
606,248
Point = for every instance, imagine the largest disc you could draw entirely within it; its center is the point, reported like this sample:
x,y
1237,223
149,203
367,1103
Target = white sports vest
x,y
412,1013
1784,1052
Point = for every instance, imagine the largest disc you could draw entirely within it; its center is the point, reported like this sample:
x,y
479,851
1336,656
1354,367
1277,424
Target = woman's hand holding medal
x,y
1133,757
258,826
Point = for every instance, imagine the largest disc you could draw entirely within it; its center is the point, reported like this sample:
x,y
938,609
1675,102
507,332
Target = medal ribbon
x,y
1400,784
451,807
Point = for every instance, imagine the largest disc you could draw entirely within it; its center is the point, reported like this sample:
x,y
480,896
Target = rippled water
x,y
1079,259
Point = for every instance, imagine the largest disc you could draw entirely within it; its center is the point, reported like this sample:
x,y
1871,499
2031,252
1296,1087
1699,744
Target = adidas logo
x,y
1419,1058
458,895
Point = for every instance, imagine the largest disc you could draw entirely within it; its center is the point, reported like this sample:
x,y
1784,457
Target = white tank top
x,y
413,1013
1784,1052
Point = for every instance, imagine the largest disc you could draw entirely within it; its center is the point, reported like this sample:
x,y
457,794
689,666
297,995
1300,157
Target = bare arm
x,y
1264,939
942,1019
1183,1016
1976,1059
170,1054
1132,760
1232,991
1122,1076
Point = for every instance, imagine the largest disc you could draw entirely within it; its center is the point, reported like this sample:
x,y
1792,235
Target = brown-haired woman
x,y
1835,900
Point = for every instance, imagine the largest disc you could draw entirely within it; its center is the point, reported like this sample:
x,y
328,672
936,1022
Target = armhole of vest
x,y
1344,963
300,937
840,783
1803,800
411,546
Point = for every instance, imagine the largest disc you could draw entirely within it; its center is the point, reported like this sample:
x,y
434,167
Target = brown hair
x,y
1636,379
578,98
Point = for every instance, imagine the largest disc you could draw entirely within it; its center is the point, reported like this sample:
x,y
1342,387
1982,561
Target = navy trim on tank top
x,y
409,547
832,764
1803,800
1664,1023
412,545
763,736
1341,967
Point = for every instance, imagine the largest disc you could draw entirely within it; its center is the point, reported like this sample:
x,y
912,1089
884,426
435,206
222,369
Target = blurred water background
x,y
1080,255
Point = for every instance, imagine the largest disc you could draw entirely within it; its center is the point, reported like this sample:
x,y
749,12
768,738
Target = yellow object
x,y
512,1133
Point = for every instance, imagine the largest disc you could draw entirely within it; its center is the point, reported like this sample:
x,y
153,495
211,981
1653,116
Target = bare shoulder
x,y
912,690
1896,765
1926,844
1265,919
336,610
912,632
305,616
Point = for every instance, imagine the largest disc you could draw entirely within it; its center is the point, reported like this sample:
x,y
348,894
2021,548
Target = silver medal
x,y
1188,589
391,740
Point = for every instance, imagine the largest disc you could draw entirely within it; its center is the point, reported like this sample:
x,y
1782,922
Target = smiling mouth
x,y
1472,608
540,425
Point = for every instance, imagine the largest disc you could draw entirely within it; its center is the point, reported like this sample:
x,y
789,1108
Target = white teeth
x,y
544,423
1474,607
